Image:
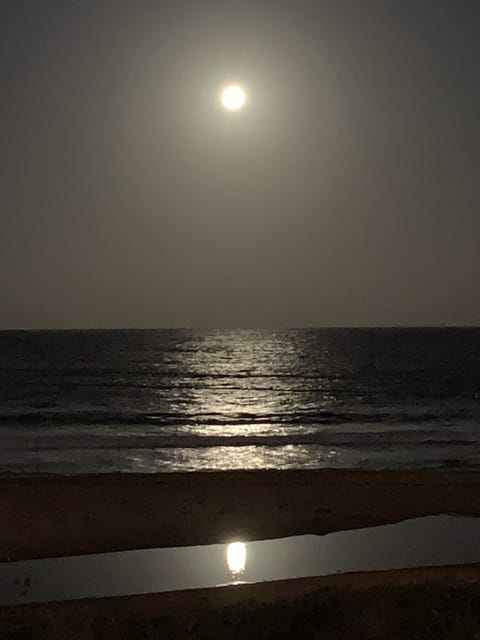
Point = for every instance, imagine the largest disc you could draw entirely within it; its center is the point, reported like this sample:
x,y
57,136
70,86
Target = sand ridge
x,y
46,516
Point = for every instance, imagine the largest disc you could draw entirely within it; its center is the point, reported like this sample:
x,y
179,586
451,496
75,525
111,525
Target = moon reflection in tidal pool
x,y
236,558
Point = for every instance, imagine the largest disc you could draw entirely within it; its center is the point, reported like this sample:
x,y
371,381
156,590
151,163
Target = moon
x,y
233,97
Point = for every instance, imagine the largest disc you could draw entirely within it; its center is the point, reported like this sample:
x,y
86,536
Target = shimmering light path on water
x,y
147,401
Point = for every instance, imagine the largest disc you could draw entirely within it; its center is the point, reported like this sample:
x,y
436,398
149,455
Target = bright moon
x,y
233,97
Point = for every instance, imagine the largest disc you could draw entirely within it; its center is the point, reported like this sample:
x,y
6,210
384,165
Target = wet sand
x,y
45,516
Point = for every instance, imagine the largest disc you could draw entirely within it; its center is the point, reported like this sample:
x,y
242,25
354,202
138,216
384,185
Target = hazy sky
x,y
346,193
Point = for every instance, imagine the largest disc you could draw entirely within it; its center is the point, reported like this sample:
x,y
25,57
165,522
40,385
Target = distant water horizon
x,y
160,400
201,328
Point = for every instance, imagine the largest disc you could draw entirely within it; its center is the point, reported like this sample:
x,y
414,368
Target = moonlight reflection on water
x,y
236,558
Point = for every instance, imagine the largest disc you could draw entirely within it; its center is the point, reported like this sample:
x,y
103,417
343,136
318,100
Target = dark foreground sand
x,y
432,604
52,516
47,516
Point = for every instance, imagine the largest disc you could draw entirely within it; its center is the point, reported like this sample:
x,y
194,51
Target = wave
x,y
327,438
171,418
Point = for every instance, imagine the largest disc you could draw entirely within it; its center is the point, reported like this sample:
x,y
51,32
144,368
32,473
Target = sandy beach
x,y
51,515
45,516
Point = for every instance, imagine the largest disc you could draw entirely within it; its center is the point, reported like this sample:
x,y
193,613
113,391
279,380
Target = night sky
x,y
345,193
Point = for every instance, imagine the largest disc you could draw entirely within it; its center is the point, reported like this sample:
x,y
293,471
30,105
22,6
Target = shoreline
x,y
50,515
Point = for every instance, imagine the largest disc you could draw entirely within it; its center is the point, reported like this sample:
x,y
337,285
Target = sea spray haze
x,y
169,400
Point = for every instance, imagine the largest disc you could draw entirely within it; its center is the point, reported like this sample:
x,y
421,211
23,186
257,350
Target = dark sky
x,y
346,193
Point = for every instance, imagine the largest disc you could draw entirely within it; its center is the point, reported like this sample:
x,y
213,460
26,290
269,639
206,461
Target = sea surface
x,y
188,400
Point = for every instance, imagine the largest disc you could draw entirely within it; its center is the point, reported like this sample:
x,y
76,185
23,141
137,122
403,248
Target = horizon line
x,y
244,328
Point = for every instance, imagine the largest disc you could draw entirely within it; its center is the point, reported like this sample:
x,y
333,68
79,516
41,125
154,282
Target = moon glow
x,y
233,97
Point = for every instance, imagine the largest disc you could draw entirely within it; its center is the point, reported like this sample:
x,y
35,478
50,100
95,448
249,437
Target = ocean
x,y
187,400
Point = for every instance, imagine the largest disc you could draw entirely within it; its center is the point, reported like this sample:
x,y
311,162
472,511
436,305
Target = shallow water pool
x,y
430,541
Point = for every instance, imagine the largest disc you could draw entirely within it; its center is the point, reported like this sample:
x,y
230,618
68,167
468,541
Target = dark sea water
x,y
169,400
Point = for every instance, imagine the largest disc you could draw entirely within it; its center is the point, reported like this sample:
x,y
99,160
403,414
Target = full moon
x,y
233,97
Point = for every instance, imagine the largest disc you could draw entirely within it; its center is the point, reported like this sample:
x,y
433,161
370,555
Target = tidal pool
x,y
430,541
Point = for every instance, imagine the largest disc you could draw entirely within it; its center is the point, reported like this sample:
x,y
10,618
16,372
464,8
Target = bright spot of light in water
x,y
236,557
